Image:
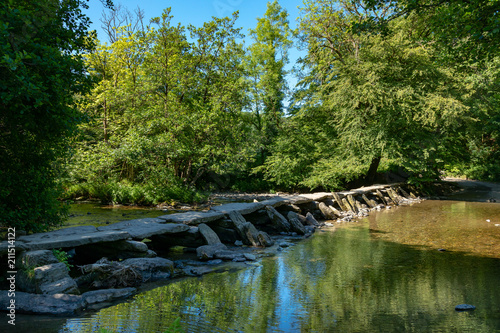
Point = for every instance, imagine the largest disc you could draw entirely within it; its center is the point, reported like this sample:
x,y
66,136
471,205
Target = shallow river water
x,y
399,270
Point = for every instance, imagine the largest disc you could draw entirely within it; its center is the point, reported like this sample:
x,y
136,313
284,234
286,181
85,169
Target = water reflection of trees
x,y
342,282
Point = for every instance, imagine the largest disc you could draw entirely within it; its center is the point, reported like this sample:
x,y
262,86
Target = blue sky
x,y
196,12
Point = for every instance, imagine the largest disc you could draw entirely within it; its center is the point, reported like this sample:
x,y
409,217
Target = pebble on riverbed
x,y
465,307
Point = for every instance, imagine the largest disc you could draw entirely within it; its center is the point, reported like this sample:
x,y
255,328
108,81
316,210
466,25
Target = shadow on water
x,y
362,277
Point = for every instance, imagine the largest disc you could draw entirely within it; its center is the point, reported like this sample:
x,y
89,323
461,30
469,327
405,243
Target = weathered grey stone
x,y
5,246
275,202
381,197
335,211
278,220
50,273
208,234
264,239
207,252
145,228
151,268
92,299
393,195
106,274
71,238
298,199
369,202
311,220
338,200
296,225
250,256
318,196
347,205
465,307
37,258
327,212
193,218
64,286
229,255
58,304
242,208
246,230
302,219
353,203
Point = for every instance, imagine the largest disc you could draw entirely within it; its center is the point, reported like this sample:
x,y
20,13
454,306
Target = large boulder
x,y
295,223
311,220
208,234
97,299
264,239
37,258
57,304
63,286
106,274
28,262
278,220
327,212
54,279
207,252
151,268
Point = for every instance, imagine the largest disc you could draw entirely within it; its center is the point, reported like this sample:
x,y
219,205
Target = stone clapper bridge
x,y
44,285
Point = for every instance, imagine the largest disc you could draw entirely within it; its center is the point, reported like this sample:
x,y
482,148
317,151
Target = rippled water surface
x,y
382,274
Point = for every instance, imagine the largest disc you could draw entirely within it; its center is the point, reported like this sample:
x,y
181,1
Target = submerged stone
x,y
465,307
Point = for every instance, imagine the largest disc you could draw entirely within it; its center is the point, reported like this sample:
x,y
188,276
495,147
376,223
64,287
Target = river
x,y
398,270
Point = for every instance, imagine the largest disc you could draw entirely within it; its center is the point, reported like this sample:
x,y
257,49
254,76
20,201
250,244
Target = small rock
x,y
488,220
250,256
497,225
442,250
238,243
214,262
465,307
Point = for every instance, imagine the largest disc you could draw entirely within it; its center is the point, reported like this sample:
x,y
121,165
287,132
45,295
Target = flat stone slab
x,y
318,196
58,304
367,189
298,199
242,208
192,218
68,238
275,202
4,247
145,228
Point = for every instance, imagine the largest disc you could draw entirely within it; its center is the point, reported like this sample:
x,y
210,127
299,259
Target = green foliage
x,y
164,113
62,256
40,71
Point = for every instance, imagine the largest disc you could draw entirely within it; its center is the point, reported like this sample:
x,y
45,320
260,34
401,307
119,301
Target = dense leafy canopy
x,y
38,79
163,111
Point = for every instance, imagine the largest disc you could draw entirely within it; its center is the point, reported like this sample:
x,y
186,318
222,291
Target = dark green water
x,y
98,215
383,274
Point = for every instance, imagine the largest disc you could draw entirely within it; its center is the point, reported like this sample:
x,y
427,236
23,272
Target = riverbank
x,y
174,245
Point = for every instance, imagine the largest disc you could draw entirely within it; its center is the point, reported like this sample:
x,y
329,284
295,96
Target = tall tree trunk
x,y
105,121
372,171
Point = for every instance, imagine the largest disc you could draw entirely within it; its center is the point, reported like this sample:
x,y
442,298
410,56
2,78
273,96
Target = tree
x,y
41,70
268,56
383,97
